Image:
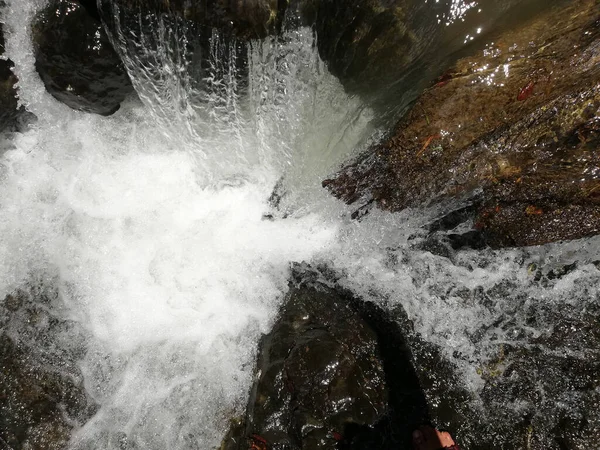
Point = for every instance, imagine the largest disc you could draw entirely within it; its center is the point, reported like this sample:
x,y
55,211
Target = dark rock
x,y
76,61
557,394
359,40
12,116
41,389
516,127
384,50
334,372
245,19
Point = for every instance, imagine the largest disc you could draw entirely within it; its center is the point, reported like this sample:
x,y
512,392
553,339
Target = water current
x,y
155,227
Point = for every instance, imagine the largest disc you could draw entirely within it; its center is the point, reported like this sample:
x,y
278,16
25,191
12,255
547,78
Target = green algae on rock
x,y
518,123
76,61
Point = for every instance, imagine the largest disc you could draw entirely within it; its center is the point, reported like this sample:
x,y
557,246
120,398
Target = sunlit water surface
x,y
152,224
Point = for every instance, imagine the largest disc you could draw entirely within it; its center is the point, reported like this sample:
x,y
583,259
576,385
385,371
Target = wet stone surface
x,y
549,389
513,129
334,372
387,51
539,360
41,388
75,59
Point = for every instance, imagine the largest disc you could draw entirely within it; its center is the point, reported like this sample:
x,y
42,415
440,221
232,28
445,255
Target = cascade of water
x,y
151,224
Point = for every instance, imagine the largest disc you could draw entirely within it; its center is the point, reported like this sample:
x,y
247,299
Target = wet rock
x,y
387,49
334,372
41,389
359,39
12,116
245,19
542,399
75,59
514,129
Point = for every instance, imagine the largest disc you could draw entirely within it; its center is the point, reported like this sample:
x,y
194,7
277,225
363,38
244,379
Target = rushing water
x,y
156,228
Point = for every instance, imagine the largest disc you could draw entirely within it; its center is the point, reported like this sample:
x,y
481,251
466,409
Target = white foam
x,y
164,258
172,271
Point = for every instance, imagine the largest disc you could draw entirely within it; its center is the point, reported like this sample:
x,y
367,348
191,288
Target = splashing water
x,y
153,224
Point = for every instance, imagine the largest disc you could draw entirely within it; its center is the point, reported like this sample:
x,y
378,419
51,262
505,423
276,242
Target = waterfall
x,y
155,229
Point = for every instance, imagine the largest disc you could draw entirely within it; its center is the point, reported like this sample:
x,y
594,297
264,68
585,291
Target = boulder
x,y
76,60
41,388
333,372
514,130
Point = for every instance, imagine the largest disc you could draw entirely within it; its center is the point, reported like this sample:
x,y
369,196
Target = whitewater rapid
x,y
171,261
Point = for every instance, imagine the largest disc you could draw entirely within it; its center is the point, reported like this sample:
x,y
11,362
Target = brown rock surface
x,y
519,122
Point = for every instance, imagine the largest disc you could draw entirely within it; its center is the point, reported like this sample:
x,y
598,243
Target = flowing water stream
x,y
154,227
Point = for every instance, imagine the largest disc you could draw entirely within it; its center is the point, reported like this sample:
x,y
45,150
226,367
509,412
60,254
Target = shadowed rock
x,y
76,61
334,372
519,123
385,50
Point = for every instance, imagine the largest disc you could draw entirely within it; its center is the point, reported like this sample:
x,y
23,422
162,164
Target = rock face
x,y
519,123
332,373
41,391
76,61
373,41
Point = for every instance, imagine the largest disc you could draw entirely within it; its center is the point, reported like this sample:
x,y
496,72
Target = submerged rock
x,y
76,61
547,395
41,389
334,372
514,129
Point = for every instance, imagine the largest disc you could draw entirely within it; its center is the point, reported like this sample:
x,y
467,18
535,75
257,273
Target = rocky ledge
x,y
512,130
246,19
